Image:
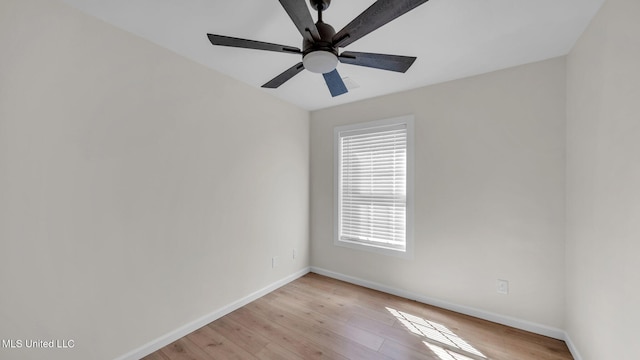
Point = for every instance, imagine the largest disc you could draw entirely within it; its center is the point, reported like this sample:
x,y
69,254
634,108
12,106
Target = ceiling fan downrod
x,y
320,4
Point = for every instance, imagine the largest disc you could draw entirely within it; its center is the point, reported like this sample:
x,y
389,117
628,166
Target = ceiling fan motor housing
x,y
320,56
325,43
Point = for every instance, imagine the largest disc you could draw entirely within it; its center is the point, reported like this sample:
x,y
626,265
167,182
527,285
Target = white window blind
x,y
372,186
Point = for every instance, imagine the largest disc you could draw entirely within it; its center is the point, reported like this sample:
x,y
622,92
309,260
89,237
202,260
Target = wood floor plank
x,y
338,325
399,351
276,352
244,337
397,334
184,349
320,335
332,306
316,317
217,345
287,338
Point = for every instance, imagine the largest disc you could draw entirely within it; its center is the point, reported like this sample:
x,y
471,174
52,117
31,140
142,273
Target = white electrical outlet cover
x,y
502,287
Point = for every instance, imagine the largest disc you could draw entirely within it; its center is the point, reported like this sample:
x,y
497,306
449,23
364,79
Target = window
x,y
374,186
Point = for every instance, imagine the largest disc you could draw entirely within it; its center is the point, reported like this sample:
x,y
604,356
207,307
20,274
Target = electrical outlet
x,y
274,261
502,287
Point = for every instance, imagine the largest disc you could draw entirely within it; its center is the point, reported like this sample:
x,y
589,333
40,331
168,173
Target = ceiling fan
x,y
321,42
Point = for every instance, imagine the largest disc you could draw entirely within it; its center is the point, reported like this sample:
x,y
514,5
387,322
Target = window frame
x,y
407,120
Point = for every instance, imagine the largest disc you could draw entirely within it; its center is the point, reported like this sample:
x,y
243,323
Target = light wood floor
x,y
316,317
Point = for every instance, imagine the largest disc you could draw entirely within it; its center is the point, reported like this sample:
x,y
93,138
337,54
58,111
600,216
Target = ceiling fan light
x,y
320,62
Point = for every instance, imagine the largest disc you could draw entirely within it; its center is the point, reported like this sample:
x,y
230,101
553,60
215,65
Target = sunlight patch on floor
x,y
439,339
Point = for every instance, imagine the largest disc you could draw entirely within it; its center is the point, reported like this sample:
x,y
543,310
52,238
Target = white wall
x,y
603,185
489,197
139,191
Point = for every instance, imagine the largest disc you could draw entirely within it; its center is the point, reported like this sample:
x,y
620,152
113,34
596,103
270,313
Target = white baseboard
x,y
500,319
197,324
572,347
486,315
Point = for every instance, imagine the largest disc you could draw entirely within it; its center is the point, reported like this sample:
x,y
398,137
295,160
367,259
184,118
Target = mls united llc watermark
x,y
37,344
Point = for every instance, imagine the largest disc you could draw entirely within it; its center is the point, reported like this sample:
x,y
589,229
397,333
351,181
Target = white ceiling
x,y
451,38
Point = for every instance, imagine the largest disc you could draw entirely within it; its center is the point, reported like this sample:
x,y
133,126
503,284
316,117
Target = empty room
x,y
315,179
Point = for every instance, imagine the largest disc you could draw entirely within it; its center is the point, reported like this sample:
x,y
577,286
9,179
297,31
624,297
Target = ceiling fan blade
x,y
335,83
377,15
379,61
251,44
285,76
299,14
